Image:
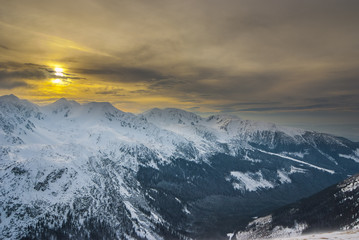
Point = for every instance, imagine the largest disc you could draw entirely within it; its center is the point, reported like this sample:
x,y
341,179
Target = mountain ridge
x,y
89,168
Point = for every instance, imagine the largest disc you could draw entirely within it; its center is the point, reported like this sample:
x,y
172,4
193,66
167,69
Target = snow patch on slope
x,y
354,156
295,154
297,170
283,176
299,161
250,181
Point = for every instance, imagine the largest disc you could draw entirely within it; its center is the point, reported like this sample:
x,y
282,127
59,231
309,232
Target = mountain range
x,y
91,171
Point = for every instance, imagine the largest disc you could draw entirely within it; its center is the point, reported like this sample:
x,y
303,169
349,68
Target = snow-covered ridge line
x,y
299,161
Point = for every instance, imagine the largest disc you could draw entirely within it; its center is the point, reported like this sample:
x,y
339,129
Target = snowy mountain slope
x,y
16,118
68,169
335,208
229,132
87,152
215,130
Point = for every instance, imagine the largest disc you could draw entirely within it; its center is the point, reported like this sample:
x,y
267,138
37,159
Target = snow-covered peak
x,y
217,133
222,117
101,107
64,102
231,124
222,128
96,123
9,98
83,112
16,119
12,100
61,105
11,105
171,116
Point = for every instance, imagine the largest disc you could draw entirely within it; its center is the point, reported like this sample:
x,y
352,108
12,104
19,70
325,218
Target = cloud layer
x,y
259,59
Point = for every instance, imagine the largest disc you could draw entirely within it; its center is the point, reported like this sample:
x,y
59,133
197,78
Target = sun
x,y
59,77
59,71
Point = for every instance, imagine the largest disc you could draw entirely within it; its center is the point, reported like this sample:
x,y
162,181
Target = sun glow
x,y
59,71
57,81
60,78
60,74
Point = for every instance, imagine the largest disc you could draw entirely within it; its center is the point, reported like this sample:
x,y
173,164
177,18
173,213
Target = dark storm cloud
x,y
124,74
344,101
10,84
225,86
4,47
344,80
338,102
193,108
204,82
168,84
22,74
310,107
13,75
190,100
235,107
141,91
114,92
19,65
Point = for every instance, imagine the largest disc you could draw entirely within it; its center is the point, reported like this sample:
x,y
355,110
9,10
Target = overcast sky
x,y
295,63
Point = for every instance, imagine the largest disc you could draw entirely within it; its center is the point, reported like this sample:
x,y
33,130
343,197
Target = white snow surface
x,y
299,161
354,156
250,181
50,154
278,231
206,133
297,170
283,176
350,187
57,151
340,235
295,154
